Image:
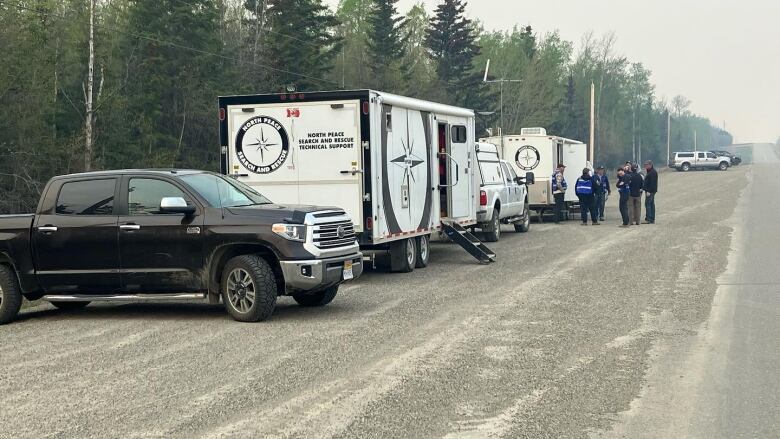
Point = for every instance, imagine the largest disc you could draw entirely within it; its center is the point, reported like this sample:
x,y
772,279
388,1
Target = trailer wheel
x,y
403,256
10,295
493,231
423,251
524,225
320,298
249,288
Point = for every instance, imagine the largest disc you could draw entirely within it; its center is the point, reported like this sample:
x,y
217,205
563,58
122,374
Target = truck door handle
x,y
47,229
129,227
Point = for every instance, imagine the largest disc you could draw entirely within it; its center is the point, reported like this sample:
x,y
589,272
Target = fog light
x,y
306,270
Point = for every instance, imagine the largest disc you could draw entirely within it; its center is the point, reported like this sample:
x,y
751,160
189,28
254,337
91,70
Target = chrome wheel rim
x,y
241,290
1,295
424,248
409,252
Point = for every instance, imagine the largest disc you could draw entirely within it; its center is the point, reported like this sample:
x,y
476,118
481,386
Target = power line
x,y
177,45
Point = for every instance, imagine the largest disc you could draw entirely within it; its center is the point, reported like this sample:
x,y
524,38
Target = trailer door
x,y
301,153
460,175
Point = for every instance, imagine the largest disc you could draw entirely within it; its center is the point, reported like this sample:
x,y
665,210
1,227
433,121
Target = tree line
x,y
101,84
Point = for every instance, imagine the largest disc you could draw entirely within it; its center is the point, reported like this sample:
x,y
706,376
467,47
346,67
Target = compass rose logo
x,y
527,158
262,145
408,161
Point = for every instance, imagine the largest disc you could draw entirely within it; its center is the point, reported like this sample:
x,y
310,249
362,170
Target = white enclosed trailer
x,y
533,150
402,168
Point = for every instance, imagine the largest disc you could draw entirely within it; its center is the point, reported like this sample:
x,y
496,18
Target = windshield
x,y
224,192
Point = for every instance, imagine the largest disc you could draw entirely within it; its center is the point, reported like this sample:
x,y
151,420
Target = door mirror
x,y
176,205
530,178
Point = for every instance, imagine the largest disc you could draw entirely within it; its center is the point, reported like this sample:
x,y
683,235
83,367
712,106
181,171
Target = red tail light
x,y
365,107
221,114
369,223
482,198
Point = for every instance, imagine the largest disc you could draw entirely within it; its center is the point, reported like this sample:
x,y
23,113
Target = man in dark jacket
x,y
624,189
559,187
585,191
651,187
602,190
636,182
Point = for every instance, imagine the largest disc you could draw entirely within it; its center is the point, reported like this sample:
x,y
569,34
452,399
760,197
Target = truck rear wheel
x,y
69,305
493,230
249,288
423,251
320,298
686,167
403,255
10,295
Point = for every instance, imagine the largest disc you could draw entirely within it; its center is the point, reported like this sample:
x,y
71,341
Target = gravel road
x,y
559,338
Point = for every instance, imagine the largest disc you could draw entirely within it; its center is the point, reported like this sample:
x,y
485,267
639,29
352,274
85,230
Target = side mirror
x,y
530,178
176,205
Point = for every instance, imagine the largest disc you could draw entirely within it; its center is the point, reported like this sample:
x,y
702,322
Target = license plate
x,y
348,274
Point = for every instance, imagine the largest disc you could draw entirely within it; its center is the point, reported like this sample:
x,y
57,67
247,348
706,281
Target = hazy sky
x,y
724,55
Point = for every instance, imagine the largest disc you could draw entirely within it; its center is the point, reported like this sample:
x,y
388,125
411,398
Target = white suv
x,y
685,161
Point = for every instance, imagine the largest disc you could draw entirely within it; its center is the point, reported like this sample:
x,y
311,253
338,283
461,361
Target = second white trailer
x,y
402,168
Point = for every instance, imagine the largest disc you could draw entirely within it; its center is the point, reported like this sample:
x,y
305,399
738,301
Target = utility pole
x,y
668,137
592,122
501,99
88,128
695,140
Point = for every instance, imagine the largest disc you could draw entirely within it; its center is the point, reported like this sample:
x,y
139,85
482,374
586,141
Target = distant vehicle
x,y
533,150
735,159
404,169
133,235
503,196
685,161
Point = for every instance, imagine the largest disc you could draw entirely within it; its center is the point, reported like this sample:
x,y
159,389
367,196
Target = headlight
x,y
293,232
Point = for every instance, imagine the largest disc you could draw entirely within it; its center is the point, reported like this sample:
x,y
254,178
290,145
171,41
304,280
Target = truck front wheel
x,y
320,298
10,295
249,288
524,225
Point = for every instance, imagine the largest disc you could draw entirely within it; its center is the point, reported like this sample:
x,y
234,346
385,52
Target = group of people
x,y
594,189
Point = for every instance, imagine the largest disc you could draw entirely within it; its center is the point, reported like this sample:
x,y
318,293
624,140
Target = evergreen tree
x,y
451,43
301,42
384,44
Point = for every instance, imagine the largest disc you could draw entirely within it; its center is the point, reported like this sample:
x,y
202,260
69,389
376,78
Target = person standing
x,y
559,187
585,191
602,191
624,189
651,188
635,183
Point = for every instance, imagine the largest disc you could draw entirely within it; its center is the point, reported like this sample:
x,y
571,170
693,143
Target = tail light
x,y
221,114
365,107
482,198
369,223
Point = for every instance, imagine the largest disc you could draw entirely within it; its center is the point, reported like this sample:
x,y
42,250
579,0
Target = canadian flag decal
x,y
293,112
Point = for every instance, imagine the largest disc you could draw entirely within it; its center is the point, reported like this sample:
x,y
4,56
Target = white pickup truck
x,y
503,196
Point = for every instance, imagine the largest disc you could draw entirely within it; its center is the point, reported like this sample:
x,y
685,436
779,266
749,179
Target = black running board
x,y
122,297
469,242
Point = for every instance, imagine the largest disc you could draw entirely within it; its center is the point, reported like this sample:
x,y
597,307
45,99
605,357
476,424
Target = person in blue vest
x,y
586,192
602,191
624,190
559,187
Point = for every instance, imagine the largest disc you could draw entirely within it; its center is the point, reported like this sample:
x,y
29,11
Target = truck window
x,y
507,173
89,197
685,155
701,155
710,155
145,195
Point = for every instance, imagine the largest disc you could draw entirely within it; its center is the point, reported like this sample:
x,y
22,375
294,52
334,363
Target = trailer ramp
x,y
469,242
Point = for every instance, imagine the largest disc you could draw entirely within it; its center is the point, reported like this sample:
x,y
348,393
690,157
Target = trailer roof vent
x,y
536,131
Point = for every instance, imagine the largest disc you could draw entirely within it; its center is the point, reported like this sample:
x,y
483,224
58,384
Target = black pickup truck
x,y
171,235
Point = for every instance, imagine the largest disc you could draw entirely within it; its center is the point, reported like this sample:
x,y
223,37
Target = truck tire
x,y
525,224
686,167
423,246
249,288
10,295
723,166
493,230
403,256
69,306
320,298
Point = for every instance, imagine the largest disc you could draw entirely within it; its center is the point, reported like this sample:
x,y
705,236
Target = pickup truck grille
x,y
334,234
